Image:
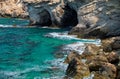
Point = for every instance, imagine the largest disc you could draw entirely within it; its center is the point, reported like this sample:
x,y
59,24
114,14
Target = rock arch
x,y
69,17
44,18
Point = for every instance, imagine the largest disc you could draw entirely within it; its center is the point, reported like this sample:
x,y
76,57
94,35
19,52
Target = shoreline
x,y
87,19
100,61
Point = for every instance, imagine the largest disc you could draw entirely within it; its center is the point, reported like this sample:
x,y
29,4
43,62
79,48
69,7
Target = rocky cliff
x,y
99,18
95,18
12,8
54,12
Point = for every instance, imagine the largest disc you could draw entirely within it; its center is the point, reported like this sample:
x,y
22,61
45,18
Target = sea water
x,y
29,53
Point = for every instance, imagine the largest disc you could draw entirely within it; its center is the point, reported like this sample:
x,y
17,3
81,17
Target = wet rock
x,y
71,56
109,70
77,69
97,33
96,63
106,45
78,30
92,49
116,43
103,64
106,71
111,44
98,75
113,58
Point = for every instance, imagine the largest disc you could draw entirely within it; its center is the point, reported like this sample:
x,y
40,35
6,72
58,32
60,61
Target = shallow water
x,y
28,53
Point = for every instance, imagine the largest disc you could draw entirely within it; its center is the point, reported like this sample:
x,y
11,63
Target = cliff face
x,y
61,13
99,18
12,8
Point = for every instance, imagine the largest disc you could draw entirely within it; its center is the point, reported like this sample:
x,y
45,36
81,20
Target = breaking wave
x,y
65,36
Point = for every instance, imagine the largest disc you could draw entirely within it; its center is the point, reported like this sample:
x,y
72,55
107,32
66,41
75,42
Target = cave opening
x,y
45,18
70,17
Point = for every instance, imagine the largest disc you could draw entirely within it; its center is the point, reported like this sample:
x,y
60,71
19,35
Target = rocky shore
x,y
103,62
88,19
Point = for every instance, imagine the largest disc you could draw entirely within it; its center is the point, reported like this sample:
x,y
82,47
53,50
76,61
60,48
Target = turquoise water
x,y
13,21
25,53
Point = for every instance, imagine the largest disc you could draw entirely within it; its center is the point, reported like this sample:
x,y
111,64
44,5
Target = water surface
x,y
27,53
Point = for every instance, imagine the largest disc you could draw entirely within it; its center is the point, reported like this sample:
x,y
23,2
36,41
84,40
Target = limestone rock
x,y
71,56
96,63
77,69
101,18
111,44
93,49
13,8
113,58
61,14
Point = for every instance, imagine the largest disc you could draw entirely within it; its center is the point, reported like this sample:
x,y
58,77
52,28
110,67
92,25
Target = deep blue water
x,y
25,53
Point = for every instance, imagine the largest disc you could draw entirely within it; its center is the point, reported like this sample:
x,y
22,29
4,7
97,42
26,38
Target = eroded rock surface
x,y
13,8
99,18
104,64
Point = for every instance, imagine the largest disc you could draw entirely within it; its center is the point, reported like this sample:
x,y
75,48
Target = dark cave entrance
x,y
45,18
70,17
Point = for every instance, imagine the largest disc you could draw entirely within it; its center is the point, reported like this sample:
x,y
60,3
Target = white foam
x,y
50,27
58,63
55,77
6,26
17,73
77,47
63,36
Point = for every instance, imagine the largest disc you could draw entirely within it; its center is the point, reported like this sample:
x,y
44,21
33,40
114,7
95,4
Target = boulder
x,y
96,63
113,58
93,49
106,71
77,69
71,56
110,44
